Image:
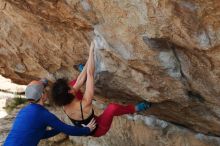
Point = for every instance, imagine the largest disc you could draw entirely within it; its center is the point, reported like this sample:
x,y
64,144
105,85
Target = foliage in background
x,y
14,102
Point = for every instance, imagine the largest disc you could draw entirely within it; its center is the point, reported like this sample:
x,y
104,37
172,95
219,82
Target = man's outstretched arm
x,y
52,121
50,133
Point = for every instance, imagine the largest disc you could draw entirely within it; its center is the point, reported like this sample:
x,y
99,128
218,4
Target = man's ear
x,y
43,97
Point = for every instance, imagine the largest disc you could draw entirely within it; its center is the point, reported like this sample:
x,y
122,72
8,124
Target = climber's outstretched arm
x,y
81,78
89,92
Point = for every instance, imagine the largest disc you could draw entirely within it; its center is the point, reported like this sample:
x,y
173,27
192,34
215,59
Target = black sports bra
x,y
83,121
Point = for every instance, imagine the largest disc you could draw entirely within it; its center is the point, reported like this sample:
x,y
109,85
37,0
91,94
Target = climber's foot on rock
x,y
79,67
142,106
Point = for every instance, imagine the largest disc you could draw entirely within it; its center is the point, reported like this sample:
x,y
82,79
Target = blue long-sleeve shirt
x,y
30,127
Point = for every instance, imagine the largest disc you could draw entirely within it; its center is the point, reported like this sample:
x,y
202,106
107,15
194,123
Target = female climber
x,y
79,108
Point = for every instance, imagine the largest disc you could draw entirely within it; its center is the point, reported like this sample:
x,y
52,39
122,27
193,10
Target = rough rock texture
x,y
163,51
130,130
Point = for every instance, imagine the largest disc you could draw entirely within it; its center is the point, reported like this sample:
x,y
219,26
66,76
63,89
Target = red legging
x,y
104,121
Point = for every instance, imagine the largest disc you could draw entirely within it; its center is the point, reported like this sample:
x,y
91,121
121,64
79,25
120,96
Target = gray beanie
x,y
35,91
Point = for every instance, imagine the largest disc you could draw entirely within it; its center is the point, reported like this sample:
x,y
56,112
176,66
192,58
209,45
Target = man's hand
x,y
91,125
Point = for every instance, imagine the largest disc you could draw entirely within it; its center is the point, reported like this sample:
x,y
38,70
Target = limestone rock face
x,y
163,51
